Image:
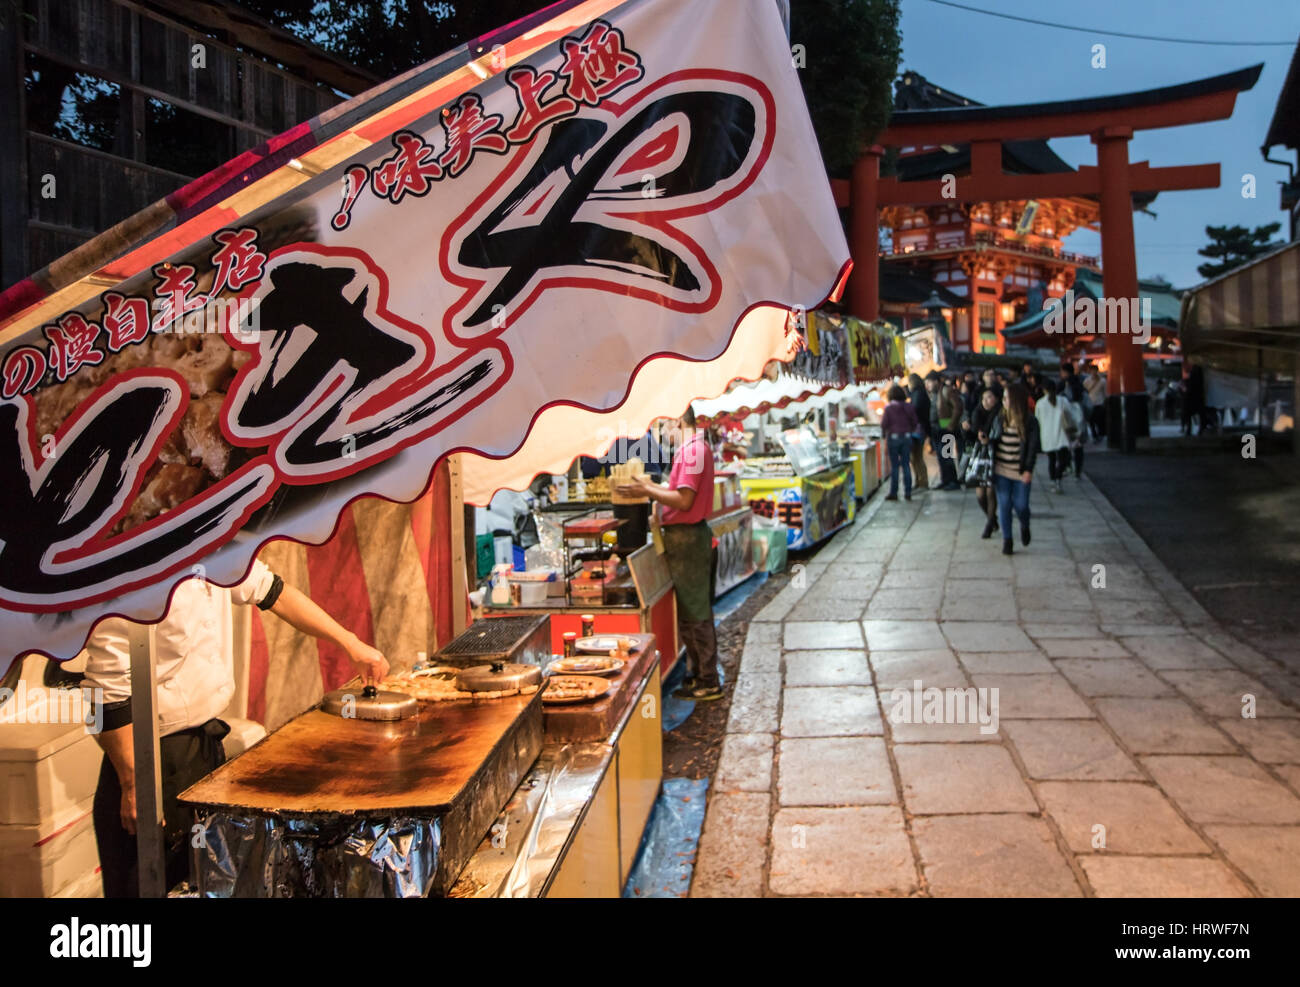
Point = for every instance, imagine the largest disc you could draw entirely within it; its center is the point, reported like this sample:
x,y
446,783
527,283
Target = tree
x,y
849,56
850,53
390,38
1233,246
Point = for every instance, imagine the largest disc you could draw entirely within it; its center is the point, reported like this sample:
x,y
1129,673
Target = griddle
x,y
456,761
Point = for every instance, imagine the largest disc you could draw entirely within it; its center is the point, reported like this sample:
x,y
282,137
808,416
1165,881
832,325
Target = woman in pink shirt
x,y
686,501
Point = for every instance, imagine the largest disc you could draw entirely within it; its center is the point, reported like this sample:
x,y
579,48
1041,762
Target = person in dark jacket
x,y
980,429
946,413
897,425
921,405
1015,450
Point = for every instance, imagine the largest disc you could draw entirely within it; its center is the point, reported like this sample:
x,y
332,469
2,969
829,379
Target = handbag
x,y
1067,423
979,471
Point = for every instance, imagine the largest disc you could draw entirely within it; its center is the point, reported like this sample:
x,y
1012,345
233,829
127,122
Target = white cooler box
x,y
52,859
47,784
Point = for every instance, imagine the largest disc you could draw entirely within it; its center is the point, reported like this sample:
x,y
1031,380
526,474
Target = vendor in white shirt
x,y
194,657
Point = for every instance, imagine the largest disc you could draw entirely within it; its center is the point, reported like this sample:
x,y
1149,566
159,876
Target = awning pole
x,y
148,784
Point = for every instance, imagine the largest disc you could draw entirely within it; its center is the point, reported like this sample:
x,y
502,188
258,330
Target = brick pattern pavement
x,y
1122,764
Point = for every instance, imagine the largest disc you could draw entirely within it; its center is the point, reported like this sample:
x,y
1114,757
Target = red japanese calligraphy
x,y
23,369
413,168
175,287
598,65
238,261
72,345
468,130
534,111
126,320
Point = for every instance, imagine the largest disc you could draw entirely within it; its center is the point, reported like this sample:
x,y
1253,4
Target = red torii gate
x,y
1110,121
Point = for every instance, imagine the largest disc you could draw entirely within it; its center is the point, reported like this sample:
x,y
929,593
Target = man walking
x,y
946,414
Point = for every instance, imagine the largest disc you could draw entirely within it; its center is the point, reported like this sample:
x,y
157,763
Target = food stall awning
x,y
1248,319
555,216
759,397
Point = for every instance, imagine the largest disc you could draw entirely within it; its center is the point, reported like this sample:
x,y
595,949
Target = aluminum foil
x,y
249,855
521,852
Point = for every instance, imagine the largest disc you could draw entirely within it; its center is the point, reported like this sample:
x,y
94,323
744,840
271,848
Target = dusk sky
x,y
998,61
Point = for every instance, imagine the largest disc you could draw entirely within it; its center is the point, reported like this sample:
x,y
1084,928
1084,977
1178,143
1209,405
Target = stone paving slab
x,y
1228,693
1175,651
1224,789
839,711
1162,726
1270,741
905,668
1077,750
1117,817
733,846
835,771
992,856
1269,855
1006,662
813,635
745,764
754,703
1080,647
903,635
1036,697
859,850
1161,877
965,778
980,636
1112,677
840,667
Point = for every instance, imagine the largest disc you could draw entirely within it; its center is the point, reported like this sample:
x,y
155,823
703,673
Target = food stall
x,y
264,364
809,489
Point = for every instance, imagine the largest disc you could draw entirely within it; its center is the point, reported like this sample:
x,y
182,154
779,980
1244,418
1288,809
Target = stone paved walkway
x,y
1121,765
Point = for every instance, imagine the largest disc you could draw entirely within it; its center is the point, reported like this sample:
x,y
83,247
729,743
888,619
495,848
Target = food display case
x,y
640,601
732,524
810,489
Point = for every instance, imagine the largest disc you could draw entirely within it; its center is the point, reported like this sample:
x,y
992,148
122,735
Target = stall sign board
x,y
394,286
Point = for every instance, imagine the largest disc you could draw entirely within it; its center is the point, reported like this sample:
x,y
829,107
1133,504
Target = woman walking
x,y
921,406
981,428
1058,424
1015,441
897,425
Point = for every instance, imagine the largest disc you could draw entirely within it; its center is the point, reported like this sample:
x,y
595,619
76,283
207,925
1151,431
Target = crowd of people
x,y
987,431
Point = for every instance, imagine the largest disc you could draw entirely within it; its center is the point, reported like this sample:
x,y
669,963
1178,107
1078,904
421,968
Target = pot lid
x,y
368,703
498,677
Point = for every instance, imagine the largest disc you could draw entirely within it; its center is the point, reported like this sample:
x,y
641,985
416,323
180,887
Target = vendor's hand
x,y
128,807
372,665
635,489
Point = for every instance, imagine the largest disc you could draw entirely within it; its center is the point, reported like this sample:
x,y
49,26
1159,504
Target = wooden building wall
x,y
238,98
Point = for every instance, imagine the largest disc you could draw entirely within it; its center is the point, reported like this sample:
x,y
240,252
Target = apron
x,y
688,550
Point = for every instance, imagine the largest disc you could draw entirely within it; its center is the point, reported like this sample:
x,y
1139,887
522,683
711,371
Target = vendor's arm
x,y
118,744
679,499
304,614
295,608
